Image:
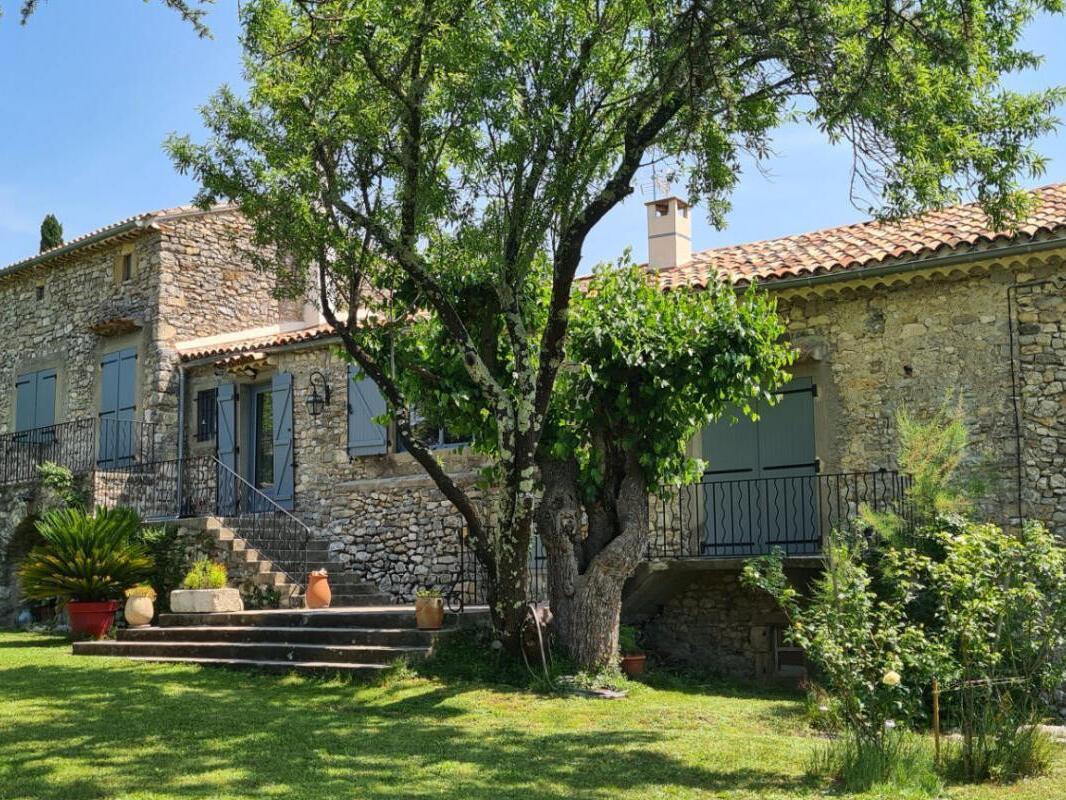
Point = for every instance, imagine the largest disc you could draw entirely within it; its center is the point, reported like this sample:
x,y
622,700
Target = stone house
x,y
200,395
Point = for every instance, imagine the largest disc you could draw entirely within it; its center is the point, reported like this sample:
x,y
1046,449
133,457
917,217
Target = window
x,y
40,292
206,415
127,266
35,400
788,659
437,438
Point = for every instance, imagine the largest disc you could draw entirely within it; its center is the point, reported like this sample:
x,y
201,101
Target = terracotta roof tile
x,y
865,244
253,344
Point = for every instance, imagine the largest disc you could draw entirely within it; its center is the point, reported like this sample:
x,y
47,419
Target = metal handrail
x,y
253,514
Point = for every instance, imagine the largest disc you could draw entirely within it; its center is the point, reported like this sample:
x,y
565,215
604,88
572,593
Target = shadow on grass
x,y
40,640
186,732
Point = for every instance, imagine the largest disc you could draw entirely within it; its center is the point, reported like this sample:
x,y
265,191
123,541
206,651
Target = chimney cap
x,y
673,197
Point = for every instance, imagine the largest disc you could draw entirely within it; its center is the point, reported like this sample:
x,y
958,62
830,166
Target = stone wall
x,y
875,349
1041,383
714,623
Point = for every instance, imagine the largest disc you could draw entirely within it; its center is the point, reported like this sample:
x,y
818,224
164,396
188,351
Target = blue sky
x,y
89,90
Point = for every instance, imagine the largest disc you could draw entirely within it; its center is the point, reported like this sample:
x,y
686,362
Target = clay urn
x,y
318,593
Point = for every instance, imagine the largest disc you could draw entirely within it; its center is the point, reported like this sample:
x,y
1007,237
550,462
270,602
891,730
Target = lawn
x,y
78,727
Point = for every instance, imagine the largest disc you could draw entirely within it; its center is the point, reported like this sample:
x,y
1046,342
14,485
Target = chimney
x,y
669,232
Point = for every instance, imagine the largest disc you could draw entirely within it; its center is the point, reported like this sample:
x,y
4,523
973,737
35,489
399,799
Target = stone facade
x,y
381,514
713,622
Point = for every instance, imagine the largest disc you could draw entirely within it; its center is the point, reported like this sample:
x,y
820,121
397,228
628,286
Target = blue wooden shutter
x,y
35,403
284,479
365,437
46,398
118,405
226,448
25,402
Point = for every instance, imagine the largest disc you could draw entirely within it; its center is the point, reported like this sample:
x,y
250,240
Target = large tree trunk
x,y
587,567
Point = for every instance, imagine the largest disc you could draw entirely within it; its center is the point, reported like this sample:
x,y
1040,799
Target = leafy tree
x,y
51,233
401,159
646,371
187,8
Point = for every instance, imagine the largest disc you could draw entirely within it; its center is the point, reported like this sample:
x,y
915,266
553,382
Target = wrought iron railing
x,y
742,518
470,585
204,486
81,445
263,523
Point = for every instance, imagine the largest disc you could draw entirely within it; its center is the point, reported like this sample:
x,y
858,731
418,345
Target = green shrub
x,y
62,481
1001,755
427,593
206,574
169,549
628,640
86,558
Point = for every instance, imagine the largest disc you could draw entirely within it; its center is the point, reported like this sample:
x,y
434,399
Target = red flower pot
x,y
92,619
633,664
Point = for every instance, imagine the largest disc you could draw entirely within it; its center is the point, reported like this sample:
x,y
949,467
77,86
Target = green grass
x,y
77,727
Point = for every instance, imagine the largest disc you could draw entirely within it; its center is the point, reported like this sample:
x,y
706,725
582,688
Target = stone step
x,y
252,651
363,671
381,637
334,617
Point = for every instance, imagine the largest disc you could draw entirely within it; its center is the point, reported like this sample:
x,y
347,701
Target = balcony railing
x,y
742,518
81,445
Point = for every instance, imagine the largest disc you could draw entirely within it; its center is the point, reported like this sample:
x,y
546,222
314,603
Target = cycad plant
x,y
85,558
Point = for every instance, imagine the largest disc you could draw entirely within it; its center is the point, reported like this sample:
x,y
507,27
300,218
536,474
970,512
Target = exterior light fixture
x,y
317,401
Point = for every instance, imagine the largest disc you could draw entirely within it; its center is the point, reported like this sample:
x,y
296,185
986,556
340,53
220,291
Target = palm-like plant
x,y
85,558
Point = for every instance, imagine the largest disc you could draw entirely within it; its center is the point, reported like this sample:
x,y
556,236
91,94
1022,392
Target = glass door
x,y
262,436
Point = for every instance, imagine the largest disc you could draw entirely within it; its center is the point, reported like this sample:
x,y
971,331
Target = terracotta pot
x,y
318,593
429,613
633,664
92,619
139,611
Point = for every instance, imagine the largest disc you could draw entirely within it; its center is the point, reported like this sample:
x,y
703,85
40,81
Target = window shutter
x,y
25,402
281,388
226,448
365,437
118,406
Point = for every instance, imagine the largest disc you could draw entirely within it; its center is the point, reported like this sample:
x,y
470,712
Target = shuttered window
x,y
35,399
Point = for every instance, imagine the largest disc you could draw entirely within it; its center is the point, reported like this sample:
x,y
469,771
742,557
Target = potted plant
x,y
429,609
318,593
633,657
205,591
139,609
87,562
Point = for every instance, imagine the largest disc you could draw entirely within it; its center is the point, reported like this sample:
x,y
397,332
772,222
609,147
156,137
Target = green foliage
x,y
206,574
1001,755
85,557
51,233
169,550
628,640
868,654
1001,611
257,597
931,451
901,768
141,590
426,593
61,480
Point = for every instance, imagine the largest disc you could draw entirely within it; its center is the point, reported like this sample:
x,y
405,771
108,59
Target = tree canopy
x,y
449,160
51,233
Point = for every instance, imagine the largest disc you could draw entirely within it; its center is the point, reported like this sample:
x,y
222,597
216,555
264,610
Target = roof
x,y
138,222
866,244
253,344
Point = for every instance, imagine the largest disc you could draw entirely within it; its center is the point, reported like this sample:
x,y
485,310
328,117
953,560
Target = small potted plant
x,y
139,609
87,562
205,591
633,657
429,609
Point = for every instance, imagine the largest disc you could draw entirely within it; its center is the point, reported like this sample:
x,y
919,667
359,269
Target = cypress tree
x,y
51,233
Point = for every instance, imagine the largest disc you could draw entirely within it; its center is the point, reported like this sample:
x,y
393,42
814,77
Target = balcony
x,y
725,519
81,445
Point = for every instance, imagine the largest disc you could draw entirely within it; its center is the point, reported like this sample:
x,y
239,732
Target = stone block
x,y
205,601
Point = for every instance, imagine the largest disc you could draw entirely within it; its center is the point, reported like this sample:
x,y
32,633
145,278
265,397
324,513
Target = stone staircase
x,y
360,641
248,564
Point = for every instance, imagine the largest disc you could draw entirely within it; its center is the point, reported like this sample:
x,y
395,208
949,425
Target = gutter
x,y
911,265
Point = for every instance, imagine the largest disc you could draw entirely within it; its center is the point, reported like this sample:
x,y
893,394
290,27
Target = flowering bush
x,y
870,657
